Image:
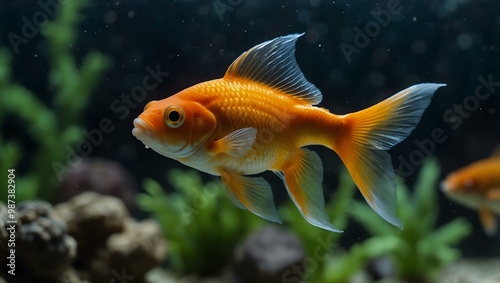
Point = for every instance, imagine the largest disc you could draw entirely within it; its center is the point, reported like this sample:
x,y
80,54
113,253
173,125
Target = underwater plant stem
x,y
53,131
74,86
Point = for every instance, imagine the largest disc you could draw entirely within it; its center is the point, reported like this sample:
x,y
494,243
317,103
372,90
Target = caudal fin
x,y
369,133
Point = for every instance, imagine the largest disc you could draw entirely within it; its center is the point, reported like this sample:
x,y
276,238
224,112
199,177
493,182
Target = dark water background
x,y
452,42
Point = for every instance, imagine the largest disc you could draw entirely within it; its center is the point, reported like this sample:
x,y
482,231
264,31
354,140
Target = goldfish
x,y
261,116
477,186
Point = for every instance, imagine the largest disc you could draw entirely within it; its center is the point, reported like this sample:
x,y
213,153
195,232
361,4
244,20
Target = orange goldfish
x,y
261,115
477,186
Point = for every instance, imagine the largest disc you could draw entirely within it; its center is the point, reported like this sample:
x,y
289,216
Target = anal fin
x,y
488,220
303,176
252,193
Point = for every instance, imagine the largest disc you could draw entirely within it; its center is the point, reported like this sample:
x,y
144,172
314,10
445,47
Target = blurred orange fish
x,y
477,186
260,116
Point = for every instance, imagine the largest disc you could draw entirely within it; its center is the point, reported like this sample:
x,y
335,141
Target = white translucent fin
x,y
237,143
368,133
303,176
488,221
273,64
252,193
407,108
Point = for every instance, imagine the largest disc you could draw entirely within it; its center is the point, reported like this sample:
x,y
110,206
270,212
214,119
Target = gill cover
x,y
190,121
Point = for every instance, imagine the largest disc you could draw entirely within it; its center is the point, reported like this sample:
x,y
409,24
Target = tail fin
x,y
369,133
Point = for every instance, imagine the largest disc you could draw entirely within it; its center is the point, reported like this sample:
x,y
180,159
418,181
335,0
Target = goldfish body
x,y
261,115
477,186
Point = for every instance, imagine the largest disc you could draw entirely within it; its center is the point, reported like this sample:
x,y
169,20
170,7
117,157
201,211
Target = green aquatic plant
x,y
343,267
418,251
202,226
421,249
55,127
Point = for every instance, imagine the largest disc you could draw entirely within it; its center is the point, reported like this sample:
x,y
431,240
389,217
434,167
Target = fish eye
x,y
173,116
469,184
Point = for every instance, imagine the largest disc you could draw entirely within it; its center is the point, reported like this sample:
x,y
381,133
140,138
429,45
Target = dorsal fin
x,y
273,64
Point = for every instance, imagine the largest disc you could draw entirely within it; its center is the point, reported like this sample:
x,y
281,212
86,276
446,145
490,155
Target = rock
x,y
381,267
42,242
471,271
132,253
71,276
267,254
111,244
91,219
159,275
140,248
101,176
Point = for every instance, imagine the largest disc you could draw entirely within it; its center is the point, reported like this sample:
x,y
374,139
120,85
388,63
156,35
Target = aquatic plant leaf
x,y
71,134
342,268
188,182
29,185
199,222
369,220
425,197
154,191
340,200
53,127
451,233
405,203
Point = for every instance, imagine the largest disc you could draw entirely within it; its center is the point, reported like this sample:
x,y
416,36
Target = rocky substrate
x,y
471,271
89,238
92,238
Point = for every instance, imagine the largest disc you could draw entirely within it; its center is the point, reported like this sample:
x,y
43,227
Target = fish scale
x,y
238,105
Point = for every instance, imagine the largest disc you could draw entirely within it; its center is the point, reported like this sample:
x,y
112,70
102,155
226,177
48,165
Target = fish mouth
x,y
141,129
144,132
444,186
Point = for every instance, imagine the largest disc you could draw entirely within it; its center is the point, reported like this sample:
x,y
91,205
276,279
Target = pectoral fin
x,y
303,175
488,221
237,143
252,193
